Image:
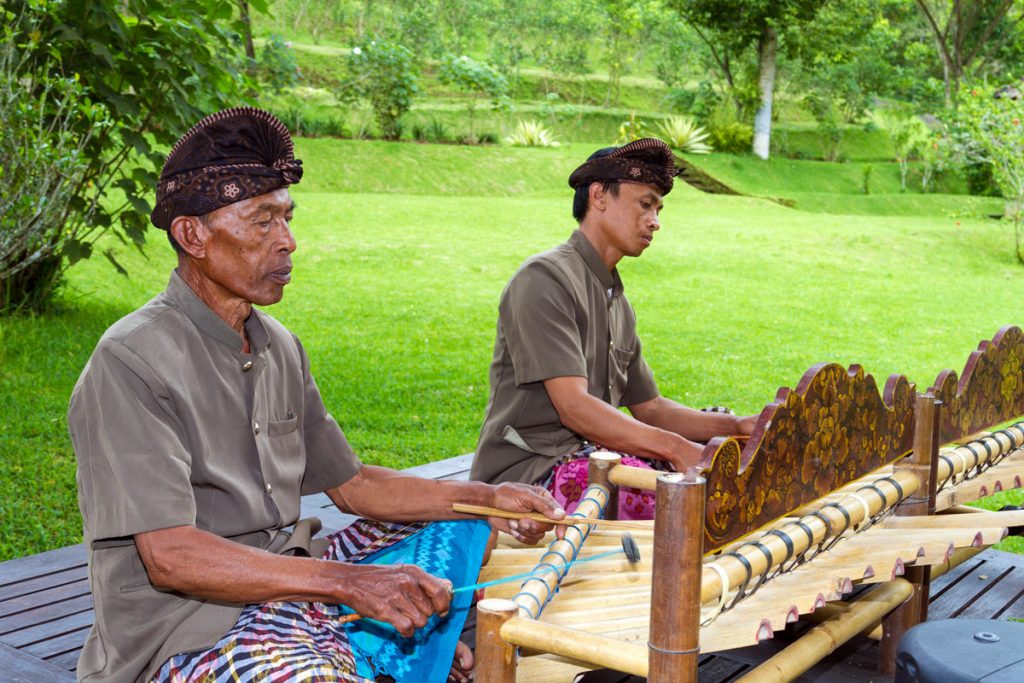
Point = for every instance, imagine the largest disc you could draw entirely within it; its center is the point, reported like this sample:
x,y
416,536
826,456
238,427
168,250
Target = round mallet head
x,y
630,548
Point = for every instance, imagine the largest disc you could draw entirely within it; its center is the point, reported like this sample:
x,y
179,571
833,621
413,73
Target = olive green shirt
x,y
173,425
563,314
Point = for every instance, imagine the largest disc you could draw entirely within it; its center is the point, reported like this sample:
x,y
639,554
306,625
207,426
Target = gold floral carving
x,y
833,428
990,390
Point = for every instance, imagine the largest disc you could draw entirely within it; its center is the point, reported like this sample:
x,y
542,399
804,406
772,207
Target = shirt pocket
x,y
619,361
283,427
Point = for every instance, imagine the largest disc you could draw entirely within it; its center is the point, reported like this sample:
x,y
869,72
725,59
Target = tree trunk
x,y
767,48
250,50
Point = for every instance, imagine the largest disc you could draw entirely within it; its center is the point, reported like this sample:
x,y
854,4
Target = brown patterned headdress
x,y
229,156
648,160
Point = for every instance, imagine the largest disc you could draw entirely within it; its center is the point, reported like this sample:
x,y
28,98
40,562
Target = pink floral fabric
x,y
568,481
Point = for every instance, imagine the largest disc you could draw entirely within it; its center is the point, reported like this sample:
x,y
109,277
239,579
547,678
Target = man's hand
x,y
745,425
402,595
516,497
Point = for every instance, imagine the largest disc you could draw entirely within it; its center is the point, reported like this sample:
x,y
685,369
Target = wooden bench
x,y
46,608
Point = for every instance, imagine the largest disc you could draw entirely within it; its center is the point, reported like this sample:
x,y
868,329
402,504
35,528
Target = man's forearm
x,y
389,495
695,425
204,565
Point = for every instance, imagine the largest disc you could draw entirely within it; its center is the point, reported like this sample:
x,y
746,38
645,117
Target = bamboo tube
x,y
629,658
823,639
599,466
634,477
537,590
953,462
495,658
675,585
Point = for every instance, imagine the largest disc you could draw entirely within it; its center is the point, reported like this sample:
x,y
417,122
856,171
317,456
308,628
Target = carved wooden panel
x,y
990,390
833,428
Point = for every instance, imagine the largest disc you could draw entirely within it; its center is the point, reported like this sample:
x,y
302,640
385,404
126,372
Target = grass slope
x,y
395,295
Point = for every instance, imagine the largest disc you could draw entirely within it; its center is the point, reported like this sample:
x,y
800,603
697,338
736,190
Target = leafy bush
x,y
157,67
866,171
531,134
41,164
276,66
384,75
829,119
683,134
632,129
734,138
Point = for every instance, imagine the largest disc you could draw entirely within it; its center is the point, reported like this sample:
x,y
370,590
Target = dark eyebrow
x,y
269,207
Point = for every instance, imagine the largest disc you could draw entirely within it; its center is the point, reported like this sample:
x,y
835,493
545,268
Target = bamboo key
x,y
536,516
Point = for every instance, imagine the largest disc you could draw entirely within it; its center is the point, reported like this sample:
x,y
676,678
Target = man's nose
x,y
288,244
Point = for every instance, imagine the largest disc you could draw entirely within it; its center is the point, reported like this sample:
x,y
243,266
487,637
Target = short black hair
x,y
581,200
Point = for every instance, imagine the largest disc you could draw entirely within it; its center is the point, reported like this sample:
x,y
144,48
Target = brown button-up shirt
x,y
563,314
173,425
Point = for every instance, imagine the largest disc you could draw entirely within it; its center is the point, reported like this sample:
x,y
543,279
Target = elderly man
x,y
197,426
567,354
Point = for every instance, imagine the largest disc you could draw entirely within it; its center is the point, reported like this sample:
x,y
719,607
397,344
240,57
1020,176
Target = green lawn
x,y
394,296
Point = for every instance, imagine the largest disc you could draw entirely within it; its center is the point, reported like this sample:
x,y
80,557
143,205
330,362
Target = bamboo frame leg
x,y
674,643
495,659
923,464
598,469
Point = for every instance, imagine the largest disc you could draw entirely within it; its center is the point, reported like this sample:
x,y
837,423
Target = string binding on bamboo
x,y
536,591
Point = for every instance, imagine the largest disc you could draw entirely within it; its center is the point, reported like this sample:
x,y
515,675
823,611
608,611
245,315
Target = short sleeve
x,y
640,384
330,460
537,316
133,466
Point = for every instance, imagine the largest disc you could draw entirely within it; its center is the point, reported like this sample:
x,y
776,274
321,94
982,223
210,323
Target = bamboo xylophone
x,y
653,618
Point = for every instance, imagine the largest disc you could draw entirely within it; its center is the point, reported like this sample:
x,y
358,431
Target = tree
x,y
384,74
738,24
966,34
157,66
996,126
907,132
479,80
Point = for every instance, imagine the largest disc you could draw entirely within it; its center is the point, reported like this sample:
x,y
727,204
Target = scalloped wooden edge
x,y
954,390
897,389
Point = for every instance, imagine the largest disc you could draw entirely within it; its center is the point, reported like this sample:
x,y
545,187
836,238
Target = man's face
x,y
248,247
631,218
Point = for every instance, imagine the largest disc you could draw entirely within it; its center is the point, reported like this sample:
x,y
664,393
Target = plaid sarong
x,y
302,641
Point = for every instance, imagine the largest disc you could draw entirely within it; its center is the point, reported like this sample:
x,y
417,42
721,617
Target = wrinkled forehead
x,y
276,203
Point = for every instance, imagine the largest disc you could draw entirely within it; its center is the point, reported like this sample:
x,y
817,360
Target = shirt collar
x,y
203,317
609,280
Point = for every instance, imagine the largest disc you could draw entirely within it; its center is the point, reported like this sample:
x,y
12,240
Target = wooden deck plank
x,y
43,564
971,584
52,647
19,667
50,629
43,583
10,623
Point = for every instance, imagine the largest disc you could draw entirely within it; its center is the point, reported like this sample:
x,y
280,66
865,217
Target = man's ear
x,y
190,234
597,197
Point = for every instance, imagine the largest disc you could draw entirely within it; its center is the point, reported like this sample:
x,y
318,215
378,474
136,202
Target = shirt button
x,y
611,345
270,489
247,366
256,427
